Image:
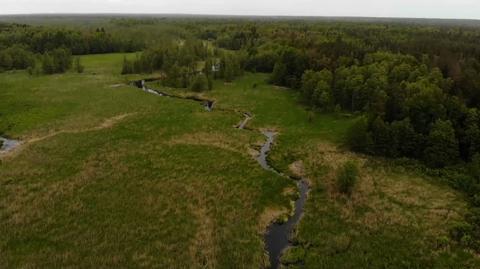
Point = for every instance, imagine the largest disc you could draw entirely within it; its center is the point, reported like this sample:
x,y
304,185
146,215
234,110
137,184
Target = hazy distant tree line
x,y
23,46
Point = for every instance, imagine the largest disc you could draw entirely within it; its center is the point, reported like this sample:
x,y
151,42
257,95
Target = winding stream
x,y
208,104
277,236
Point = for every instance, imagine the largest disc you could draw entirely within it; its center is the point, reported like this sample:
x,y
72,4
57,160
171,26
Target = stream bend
x,y
278,235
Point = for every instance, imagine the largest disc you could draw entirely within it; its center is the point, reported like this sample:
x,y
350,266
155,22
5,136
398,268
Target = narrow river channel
x,y
277,236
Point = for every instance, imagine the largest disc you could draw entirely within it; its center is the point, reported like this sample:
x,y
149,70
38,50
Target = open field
x,y
110,176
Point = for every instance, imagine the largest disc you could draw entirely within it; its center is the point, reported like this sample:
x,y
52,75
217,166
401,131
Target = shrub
x,y
358,137
77,65
199,83
293,255
347,177
443,148
460,230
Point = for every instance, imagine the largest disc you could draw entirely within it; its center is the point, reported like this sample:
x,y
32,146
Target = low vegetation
x,y
347,178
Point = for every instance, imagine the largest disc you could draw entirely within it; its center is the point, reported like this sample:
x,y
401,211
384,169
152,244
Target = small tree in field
x,y
358,138
77,65
199,83
347,177
127,67
47,64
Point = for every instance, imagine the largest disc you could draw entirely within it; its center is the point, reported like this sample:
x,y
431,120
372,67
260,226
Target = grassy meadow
x,y
110,176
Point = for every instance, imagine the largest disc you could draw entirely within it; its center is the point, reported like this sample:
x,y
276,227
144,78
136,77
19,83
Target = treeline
x,y
16,57
40,39
56,61
413,83
190,64
300,46
20,45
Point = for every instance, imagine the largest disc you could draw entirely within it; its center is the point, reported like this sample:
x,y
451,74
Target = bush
x,y
77,65
347,177
293,255
460,230
56,61
358,137
127,67
199,83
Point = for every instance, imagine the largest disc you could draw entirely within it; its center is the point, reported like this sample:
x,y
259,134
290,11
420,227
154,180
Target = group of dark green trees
x,y
192,64
417,87
50,49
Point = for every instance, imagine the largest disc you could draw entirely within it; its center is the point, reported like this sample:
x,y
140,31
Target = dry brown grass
x,y
211,139
28,202
384,197
270,215
297,169
203,249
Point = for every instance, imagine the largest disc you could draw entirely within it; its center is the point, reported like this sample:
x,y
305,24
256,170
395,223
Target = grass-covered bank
x,y
171,185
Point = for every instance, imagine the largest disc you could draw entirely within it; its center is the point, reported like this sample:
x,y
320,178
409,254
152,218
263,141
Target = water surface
x,y
8,144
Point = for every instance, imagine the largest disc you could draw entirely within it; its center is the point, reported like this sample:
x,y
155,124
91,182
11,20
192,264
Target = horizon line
x,y
230,15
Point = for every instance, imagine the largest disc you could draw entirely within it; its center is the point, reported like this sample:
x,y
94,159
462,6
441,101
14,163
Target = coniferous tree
x,y
358,137
381,136
442,146
77,65
472,133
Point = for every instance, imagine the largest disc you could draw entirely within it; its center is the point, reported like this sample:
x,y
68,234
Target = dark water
x,y
208,104
277,238
8,144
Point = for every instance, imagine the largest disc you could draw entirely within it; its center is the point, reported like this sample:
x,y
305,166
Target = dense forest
x,y
415,88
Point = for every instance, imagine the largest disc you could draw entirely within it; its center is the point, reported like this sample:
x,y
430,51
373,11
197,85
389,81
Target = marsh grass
x,y
174,186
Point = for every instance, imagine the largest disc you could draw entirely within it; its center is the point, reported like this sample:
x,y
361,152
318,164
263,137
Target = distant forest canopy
x,y
22,46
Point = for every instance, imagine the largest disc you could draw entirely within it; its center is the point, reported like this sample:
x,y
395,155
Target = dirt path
x,y
108,123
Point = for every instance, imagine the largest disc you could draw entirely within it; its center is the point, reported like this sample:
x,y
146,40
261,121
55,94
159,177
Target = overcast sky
x,y
464,9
